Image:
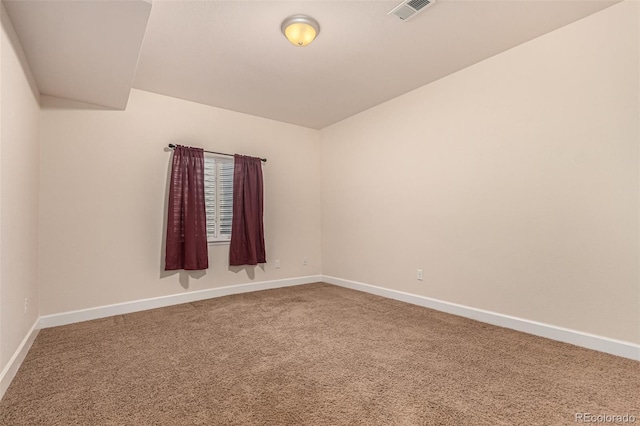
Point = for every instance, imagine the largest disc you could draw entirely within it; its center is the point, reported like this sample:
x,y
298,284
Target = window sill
x,y
219,243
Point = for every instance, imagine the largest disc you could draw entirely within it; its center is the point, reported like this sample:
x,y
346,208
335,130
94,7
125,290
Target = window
x,y
218,197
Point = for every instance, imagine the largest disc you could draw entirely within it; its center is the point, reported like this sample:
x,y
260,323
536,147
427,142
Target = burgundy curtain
x,y
186,219
247,231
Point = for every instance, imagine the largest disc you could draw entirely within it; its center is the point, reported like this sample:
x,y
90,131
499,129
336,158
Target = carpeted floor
x,y
310,355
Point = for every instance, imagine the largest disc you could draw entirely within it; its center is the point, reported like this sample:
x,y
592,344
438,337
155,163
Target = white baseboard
x,y
10,370
578,338
71,317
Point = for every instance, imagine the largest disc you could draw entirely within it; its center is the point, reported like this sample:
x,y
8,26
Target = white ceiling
x,y
82,50
231,54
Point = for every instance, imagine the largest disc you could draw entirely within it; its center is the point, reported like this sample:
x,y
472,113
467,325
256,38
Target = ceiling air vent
x,y
410,8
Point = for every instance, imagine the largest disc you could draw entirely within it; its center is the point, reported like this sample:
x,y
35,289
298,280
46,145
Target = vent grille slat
x,y
418,4
404,12
410,8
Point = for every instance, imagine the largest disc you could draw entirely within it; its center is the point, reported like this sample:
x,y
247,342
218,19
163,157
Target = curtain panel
x,y
247,230
186,246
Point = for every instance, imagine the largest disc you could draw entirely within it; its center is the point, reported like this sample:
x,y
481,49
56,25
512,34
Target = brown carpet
x,y
310,355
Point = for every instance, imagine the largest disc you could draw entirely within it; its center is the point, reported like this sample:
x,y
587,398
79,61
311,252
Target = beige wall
x,y
512,183
102,198
19,115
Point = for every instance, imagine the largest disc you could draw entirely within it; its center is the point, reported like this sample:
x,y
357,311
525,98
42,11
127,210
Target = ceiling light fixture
x,y
300,30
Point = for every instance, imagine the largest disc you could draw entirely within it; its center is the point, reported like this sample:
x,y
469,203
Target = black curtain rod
x,y
264,160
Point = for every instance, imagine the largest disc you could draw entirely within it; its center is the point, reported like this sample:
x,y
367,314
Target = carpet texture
x,y
310,355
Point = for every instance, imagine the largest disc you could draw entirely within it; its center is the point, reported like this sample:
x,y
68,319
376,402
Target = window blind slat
x,y
218,188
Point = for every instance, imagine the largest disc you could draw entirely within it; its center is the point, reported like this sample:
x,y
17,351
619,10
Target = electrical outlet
x,y
419,275
277,264
304,261
26,305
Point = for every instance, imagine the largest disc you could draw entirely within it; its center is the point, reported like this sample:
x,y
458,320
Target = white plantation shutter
x,y
210,196
225,197
218,196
